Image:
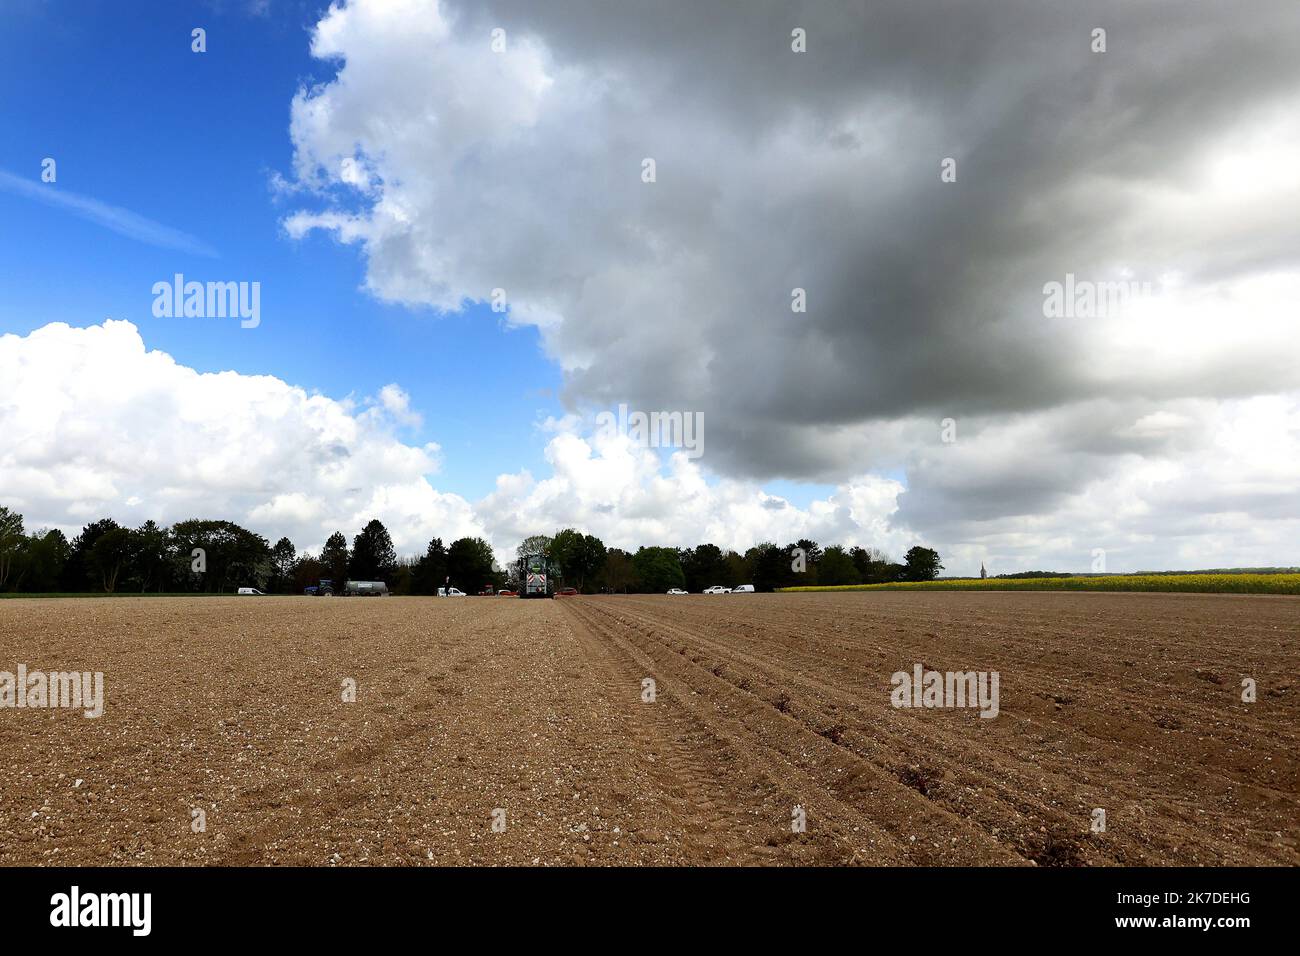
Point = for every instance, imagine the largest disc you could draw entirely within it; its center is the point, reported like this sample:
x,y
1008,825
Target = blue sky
x,y
135,119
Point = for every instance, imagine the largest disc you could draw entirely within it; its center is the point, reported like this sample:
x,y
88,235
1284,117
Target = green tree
x,y
109,555
12,541
591,558
283,558
43,561
704,566
430,571
233,556
534,544
307,572
76,572
617,574
740,570
334,559
861,563
402,580
471,564
772,566
373,555
921,564
82,571
579,556
149,559
874,566
563,546
657,570
812,551
836,567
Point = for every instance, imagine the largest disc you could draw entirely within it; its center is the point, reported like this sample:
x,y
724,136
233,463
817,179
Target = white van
x,y
251,591
450,592
743,589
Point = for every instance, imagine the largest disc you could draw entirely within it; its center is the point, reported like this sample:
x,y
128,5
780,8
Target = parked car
x,y
676,591
567,592
717,589
450,592
507,594
251,591
743,589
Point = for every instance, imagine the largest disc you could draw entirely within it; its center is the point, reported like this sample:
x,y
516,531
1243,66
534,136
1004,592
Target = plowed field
x,y
767,710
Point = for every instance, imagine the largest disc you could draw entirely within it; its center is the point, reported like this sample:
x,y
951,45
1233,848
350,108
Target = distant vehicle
x,y
535,575
717,589
251,591
507,594
487,591
365,589
324,589
676,591
567,592
450,592
743,589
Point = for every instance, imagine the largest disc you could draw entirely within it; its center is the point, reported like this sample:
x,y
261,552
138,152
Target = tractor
x,y
535,577
324,589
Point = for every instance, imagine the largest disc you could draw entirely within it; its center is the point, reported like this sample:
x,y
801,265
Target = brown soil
x,y
765,703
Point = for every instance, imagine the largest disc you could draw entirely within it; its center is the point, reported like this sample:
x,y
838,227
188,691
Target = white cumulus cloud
x,y
96,425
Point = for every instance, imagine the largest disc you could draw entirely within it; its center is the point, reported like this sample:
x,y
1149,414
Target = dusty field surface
x,y
763,703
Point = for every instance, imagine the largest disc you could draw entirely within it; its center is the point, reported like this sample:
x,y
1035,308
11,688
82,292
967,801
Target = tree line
x,y
213,556
210,556
582,561
767,566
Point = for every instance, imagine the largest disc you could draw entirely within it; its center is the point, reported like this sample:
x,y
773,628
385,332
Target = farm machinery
x,y
350,589
535,577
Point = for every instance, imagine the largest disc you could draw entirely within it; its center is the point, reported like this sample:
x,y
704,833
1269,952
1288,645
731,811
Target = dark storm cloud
x,y
821,170
925,298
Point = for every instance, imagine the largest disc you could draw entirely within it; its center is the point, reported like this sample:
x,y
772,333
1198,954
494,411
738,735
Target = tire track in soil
x,y
267,818
925,756
758,826
1167,794
866,816
920,754
708,832
1161,824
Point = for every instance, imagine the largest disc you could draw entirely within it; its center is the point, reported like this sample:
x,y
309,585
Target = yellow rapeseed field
x,y
1206,583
